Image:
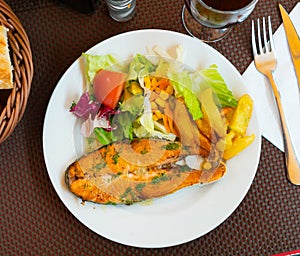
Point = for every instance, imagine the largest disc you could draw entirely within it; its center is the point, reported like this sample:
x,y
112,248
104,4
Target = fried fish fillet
x,y
127,172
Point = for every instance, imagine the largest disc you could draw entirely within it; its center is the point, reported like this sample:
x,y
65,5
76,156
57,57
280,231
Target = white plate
x,y
174,219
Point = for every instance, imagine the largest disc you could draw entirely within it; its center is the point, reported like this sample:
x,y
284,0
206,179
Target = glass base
x,y
199,31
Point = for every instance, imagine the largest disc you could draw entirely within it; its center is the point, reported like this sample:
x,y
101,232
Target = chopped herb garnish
x,y
157,179
184,168
140,186
172,146
144,151
129,202
114,176
115,158
99,166
129,197
110,203
127,192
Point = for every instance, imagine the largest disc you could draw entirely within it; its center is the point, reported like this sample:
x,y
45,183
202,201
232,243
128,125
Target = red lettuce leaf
x,y
85,107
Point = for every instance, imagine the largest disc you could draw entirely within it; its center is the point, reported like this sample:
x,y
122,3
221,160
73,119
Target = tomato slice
x,y
108,86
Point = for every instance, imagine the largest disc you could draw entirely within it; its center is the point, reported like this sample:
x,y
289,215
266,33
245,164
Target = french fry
x,y
242,115
236,140
238,145
229,138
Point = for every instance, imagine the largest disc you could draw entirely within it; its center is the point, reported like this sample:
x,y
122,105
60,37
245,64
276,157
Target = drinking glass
x,y
121,10
211,23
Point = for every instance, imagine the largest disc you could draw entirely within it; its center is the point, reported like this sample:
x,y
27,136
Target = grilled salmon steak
x,y
127,172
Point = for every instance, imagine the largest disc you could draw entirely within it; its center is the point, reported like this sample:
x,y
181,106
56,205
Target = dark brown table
x,y
34,221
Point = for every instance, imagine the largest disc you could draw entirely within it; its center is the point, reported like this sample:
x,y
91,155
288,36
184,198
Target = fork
x,y
265,62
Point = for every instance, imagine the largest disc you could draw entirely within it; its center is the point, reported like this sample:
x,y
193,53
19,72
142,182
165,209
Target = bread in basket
x,y
13,101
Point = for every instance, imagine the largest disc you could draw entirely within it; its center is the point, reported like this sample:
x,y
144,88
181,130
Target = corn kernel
x,y
158,114
160,102
170,90
153,96
147,82
154,105
154,117
163,95
207,165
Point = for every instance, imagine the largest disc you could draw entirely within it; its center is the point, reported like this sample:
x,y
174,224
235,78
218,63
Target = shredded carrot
x,y
157,84
166,122
160,86
163,84
154,83
171,125
169,117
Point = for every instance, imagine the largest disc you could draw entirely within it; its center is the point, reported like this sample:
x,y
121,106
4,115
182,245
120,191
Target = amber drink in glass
x,y
211,20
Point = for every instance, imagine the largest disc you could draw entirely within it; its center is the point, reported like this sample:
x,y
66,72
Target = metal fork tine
x,y
259,37
254,47
271,34
265,35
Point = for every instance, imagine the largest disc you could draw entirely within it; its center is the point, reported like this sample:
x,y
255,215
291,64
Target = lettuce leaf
x,y
93,63
214,79
139,68
146,119
125,126
162,68
130,110
103,136
134,105
183,85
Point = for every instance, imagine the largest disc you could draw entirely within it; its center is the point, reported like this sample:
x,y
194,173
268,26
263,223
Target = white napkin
x,y
286,80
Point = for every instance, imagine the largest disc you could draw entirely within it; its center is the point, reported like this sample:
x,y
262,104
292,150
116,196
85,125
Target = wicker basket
x,y
14,101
